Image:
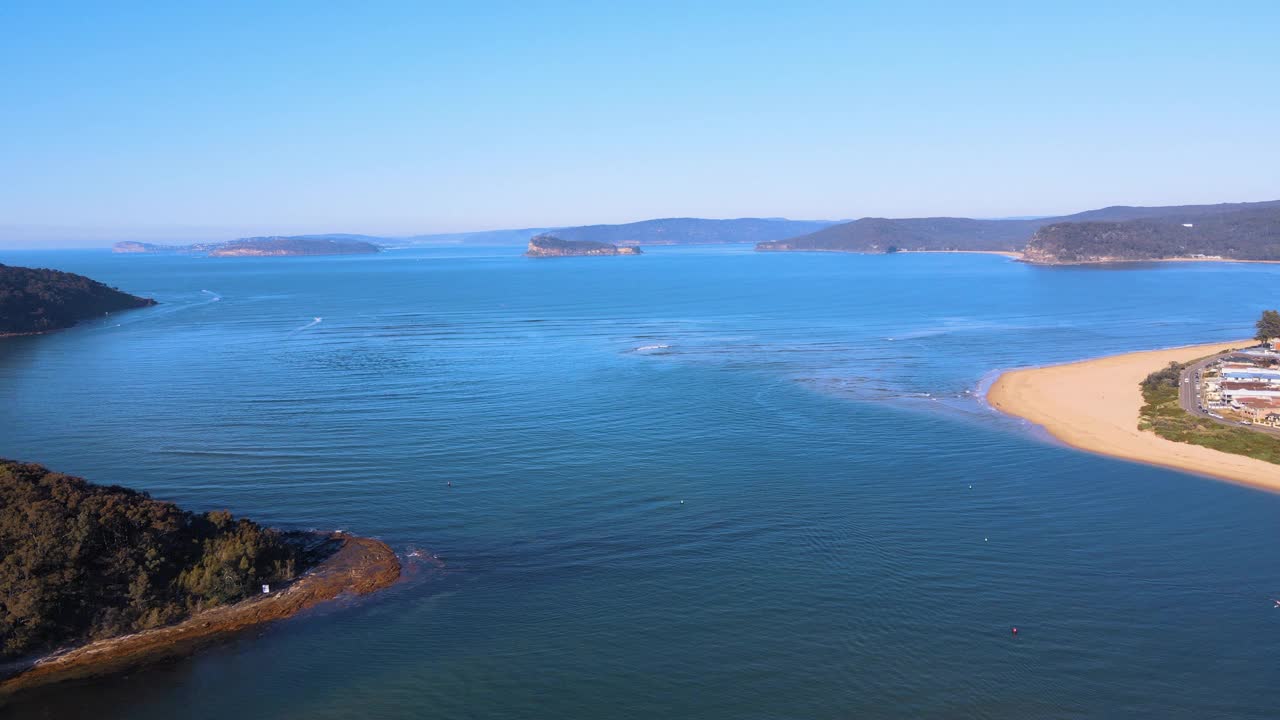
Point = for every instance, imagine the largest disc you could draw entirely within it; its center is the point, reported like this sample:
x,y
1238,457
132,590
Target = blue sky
x,y
207,121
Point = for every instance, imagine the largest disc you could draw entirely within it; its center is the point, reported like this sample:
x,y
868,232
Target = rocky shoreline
x,y
357,565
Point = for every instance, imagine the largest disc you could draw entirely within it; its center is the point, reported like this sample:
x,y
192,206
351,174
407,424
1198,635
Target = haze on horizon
x,y
207,123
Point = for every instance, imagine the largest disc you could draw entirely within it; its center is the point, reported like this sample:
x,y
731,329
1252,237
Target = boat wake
x,y
314,322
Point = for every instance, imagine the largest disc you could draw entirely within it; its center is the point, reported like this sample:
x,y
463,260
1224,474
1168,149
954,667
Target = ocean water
x,y
698,483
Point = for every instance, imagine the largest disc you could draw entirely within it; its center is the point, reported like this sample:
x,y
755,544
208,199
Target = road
x,y
1188,398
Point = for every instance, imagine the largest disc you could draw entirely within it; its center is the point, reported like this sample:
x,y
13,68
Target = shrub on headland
x,y
1167,377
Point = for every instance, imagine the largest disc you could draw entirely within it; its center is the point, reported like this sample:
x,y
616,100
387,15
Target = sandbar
x,y
1094,404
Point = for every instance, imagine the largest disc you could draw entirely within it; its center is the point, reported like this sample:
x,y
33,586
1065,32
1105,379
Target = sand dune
x,y
1093,405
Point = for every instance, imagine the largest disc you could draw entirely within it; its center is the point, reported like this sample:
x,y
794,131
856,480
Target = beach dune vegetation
x,y
1162,414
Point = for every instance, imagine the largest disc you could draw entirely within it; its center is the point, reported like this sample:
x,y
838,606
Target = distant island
x,y
137,578
34,300
272,246
1229,231
551,246
659,231
1120,233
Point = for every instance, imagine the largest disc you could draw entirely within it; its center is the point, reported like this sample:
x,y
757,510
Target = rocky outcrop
x,y
552,246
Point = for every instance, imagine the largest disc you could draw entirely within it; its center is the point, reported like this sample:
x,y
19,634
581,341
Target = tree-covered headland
x,y
84,562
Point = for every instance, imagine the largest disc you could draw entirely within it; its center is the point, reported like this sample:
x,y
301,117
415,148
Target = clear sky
x,y
189,121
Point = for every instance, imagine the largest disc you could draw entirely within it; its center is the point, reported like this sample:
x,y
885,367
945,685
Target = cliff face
x,y
37,300
552,246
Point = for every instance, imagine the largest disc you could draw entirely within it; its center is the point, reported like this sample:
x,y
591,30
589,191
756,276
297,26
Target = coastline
x,y
1086,263
1093,405
1005,253
1021,257
360,566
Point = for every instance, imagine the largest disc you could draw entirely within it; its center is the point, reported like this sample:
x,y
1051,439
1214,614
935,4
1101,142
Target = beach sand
x,y
1094,404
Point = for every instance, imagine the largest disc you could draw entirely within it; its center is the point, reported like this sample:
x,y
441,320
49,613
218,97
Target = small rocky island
x,y
547,245
96,580
36,300
272,246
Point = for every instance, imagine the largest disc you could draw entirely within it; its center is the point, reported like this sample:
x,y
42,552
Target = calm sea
x,y
698,483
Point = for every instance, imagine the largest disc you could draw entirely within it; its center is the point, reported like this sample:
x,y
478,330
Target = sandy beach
x,y
1094,404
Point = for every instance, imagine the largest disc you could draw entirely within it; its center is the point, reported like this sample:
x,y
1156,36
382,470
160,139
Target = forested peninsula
x,y
36,300
136,578
1252,234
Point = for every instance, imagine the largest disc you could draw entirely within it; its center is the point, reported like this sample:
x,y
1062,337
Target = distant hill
x,y
266,246
871,235
479,238
1180,213
551,246
37,300
692,231
132,247
665,231
1251,234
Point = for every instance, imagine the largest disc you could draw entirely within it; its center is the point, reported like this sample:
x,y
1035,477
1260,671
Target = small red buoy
x,y
1015,631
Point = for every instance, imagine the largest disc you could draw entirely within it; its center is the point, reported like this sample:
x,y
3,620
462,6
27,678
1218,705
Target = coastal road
x,y
1189,398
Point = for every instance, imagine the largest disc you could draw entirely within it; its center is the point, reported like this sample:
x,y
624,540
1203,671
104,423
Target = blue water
x,y
698,483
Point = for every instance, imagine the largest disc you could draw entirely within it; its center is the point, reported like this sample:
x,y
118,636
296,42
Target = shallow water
x,y
816,414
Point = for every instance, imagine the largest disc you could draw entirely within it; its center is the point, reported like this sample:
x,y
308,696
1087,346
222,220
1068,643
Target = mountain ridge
x,y
872,235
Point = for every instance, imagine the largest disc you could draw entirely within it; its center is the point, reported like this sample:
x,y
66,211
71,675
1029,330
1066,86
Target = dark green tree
x,y
81,562
1268,326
